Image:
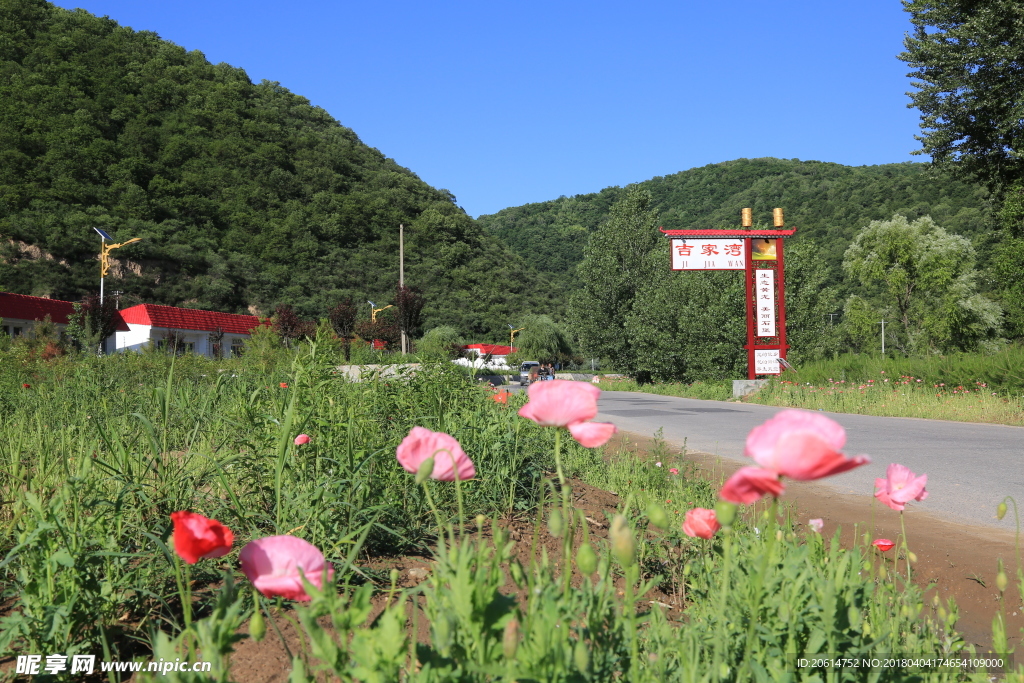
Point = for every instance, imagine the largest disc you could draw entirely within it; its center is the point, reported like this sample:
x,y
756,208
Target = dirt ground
x,y
955,560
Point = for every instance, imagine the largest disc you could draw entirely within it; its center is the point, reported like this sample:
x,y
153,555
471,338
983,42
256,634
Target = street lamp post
x,y
512,336
374,310
105,250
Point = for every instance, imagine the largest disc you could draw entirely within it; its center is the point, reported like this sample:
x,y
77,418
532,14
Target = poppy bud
x,y
480,520
510,639
1001,510
1001,580
581,656
425,470
586,559
658,516
725,513
623,543
257,627
556,527
911,556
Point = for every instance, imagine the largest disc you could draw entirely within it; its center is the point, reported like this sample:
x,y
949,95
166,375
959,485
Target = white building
x,y
486,356
194,329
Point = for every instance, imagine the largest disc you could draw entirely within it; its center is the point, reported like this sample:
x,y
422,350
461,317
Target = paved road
x,y
970,467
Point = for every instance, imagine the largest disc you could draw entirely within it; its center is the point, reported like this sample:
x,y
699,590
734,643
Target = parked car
x,y
528,372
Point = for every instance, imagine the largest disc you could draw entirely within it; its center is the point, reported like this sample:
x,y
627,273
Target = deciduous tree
x,y
968,59
925,276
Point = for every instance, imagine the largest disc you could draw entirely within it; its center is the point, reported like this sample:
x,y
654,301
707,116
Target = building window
x,y
236,348
17,332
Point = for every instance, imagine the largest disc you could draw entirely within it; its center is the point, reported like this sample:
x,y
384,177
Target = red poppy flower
x,y
197,537
283,385
26,386
883,544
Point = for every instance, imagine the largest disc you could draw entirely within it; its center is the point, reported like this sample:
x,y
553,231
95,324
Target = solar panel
x,y
103,234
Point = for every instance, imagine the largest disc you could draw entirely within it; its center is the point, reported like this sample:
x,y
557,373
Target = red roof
x,y
24,307
493,349
175,318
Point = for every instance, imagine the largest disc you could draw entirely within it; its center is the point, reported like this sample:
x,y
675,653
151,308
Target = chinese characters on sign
x,y
766,362
764,302
720,254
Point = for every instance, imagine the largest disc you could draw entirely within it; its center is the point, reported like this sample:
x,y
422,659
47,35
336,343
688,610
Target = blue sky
x,y
507,103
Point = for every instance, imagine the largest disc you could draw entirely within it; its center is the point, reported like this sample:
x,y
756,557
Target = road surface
x,y
970,467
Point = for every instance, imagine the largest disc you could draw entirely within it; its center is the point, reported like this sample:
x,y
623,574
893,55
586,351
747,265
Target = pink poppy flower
x,y
301,439
200,538
273,564
449,458
748,484
565,403
801,445
816,525
883,544
700,523
900,487
673,470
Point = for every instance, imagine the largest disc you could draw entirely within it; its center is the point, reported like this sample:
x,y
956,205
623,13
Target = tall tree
x,y
615,266
343,321
968,57
409,305
92,322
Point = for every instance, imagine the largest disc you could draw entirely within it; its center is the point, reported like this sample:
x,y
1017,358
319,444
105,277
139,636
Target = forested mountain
x,y
828,202
246,195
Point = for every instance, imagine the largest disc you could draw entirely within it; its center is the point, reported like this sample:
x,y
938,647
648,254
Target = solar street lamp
x,y
105,250
374,310
512,335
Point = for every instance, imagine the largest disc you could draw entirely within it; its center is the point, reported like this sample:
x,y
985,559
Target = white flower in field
x,y
657,464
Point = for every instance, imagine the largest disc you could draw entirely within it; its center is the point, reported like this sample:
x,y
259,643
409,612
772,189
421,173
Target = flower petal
x,y
592,434
560,403
273,566
749,484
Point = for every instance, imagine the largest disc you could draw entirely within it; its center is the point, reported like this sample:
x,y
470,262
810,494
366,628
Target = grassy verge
x,y
961,387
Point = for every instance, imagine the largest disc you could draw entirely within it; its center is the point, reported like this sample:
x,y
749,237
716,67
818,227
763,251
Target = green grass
x,y
97,452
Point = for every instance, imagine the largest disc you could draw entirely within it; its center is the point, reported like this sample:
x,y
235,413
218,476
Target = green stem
x,y
722,640
906,546
567,518
182,577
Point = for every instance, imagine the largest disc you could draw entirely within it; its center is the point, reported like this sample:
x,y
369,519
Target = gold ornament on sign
x,y
747,218
779,220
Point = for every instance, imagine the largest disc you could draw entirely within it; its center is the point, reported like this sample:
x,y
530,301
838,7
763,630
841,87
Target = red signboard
x,y
762,260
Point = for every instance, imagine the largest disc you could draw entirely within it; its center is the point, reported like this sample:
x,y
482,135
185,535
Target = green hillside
x,y
827,202
246,195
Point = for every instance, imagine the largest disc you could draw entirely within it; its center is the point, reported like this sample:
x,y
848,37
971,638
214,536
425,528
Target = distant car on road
x,y
529,372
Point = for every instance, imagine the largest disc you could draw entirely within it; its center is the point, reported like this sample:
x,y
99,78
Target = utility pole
x,y
883,336
401,277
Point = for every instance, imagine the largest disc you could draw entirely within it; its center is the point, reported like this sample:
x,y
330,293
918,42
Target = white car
x,y
528,372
